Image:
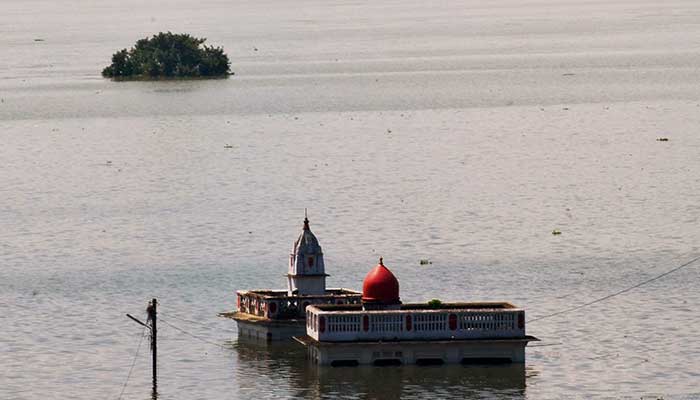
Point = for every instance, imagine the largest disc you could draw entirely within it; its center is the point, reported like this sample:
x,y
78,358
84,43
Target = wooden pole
x,y
152,315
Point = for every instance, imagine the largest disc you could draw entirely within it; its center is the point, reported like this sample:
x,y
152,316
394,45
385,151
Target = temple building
x,y
307,271
265,314
382,330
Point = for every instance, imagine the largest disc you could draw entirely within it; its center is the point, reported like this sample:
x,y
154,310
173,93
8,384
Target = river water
x,y
460,132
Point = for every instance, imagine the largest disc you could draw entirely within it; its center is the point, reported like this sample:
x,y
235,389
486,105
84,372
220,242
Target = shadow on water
x,y
286,365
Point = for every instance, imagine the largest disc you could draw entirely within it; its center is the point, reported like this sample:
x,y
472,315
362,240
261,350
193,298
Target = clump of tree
x,y
169,55
435,303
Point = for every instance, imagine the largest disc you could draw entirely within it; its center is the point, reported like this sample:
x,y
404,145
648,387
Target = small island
x,y
169,55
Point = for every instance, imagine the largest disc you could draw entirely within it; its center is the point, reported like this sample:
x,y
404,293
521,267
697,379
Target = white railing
x,y
276,304
415,324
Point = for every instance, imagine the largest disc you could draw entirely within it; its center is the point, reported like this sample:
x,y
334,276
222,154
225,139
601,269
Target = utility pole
x,y
152,316
151,310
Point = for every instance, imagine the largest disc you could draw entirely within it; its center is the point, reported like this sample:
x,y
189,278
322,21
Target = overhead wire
x,y
598,300
133,363
193,335
191,321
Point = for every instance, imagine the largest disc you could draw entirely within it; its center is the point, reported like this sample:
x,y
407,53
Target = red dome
x,y
380,286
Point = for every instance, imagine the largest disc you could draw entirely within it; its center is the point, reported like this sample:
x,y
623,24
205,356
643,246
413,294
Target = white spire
x,y
307,274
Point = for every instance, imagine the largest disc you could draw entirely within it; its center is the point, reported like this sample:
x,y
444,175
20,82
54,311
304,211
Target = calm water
x,y
461,132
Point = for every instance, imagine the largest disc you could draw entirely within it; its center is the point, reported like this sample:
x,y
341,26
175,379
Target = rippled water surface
x,y
461,132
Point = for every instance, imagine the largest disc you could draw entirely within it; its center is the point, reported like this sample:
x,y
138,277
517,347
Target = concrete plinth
x,y
260,329
417,352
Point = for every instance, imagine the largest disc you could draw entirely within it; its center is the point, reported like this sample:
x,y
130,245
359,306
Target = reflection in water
x,y
285,365
153,395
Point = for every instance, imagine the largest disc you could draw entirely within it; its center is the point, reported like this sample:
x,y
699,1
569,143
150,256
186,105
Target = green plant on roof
x,y
169,55
435,303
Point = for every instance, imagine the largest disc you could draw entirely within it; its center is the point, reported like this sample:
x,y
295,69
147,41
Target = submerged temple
x,y
268,314
382,330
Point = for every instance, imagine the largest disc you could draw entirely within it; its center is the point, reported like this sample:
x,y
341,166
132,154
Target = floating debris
x,y
568,74
38,40
228,146
556,232
662,139
425,261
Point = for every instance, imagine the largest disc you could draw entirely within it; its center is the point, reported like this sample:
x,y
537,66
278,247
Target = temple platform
x,y
421,352
261,329
272,315
417,333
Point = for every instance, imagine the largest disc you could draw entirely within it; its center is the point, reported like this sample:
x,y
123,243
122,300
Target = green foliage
x,y
169,55
435,303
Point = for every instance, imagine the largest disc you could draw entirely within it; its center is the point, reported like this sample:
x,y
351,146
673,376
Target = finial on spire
x,y
381,261
306,221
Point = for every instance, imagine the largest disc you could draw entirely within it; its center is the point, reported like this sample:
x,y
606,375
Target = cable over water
x,y
193,322
193,335
598,300
133,363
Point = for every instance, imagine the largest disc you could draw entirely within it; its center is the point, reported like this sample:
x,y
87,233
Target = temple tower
x,y
307,274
